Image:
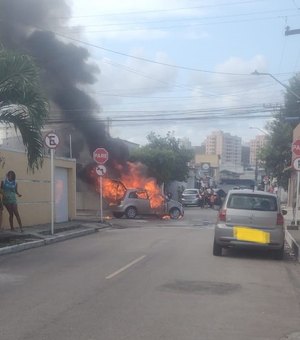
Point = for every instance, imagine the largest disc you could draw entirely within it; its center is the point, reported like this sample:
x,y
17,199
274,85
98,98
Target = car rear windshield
x,y
252,202
190,192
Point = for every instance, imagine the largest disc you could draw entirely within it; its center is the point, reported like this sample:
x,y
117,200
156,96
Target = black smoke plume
x,y
29,26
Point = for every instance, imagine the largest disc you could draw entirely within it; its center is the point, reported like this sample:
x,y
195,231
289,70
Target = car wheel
x,y
131,212
118,214
279,253
217,249
175,213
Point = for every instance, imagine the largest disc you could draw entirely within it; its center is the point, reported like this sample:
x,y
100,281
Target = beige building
x,y
207,165
35,204
256,145
228,148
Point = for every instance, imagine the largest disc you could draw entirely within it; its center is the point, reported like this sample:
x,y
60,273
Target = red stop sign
x,y
100,155
296,147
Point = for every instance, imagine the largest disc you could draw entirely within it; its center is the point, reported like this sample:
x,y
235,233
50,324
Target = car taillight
x,y
222,215
280,219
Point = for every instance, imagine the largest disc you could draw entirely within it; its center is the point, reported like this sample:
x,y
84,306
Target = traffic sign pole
x,y
100,156
52,141
101,170
52,190
101,203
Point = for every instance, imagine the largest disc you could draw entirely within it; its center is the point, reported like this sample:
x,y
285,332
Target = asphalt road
x,y
150,280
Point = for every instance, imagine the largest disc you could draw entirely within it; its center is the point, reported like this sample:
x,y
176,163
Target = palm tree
x,y
22,104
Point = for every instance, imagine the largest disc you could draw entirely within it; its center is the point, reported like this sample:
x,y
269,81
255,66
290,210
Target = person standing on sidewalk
x,y
10,190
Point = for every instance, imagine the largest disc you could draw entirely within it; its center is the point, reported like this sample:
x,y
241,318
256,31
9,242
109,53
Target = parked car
x,y
137,202
250,218
191,197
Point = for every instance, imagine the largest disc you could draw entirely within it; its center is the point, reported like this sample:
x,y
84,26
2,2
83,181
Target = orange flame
x,y
131,177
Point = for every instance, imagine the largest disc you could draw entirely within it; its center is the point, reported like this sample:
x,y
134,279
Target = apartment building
x,y
256,145
228,148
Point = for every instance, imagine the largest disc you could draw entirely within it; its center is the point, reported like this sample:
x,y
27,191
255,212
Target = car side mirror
x,y
284,212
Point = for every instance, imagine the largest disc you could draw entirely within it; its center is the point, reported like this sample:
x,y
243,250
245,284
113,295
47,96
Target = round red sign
x,y
296,147
100,155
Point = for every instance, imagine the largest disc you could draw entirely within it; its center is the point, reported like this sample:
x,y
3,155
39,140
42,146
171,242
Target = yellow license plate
x,y
251,235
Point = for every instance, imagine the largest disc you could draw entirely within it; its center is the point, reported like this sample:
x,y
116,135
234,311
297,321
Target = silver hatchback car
x,y
250,219
137,202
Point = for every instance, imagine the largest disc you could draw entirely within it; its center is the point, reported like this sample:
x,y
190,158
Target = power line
x,y
180,111
161,119
138,58
203,18
144,116
226,4
187,25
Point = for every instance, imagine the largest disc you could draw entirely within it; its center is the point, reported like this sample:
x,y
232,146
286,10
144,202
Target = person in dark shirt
x,y
10,190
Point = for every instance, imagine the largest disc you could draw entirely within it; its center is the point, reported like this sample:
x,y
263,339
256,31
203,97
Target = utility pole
x,y
108,125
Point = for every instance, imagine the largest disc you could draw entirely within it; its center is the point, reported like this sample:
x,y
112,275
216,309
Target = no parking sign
x,y
51,140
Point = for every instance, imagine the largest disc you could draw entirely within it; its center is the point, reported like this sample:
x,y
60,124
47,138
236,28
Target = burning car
x,y
138,202
134,193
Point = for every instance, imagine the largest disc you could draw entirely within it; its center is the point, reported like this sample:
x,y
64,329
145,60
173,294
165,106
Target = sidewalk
x,y
292,233
40,235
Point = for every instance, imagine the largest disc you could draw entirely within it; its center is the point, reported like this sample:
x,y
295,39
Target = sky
x,y
185,66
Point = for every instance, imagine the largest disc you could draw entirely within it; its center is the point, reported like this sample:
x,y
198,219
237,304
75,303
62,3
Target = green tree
x,y
165,158
277,153
22,104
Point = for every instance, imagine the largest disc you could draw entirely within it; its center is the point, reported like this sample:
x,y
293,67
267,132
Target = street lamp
x,y
278,81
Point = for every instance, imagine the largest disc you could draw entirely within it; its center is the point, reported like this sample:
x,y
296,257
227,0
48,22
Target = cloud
x,y
203,92
234,84
132,79
135,20
130,85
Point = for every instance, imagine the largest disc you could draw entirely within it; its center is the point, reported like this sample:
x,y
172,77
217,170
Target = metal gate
x,y
61,195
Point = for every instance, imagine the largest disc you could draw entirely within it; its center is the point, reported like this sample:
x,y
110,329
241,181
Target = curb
x,y
68,236
20,247
293,244
49,240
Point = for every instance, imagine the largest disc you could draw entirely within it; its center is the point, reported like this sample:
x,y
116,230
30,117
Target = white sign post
x,y
100,156
52,141
101,171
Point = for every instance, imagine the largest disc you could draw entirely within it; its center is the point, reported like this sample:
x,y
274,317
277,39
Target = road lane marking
x,y
125,267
